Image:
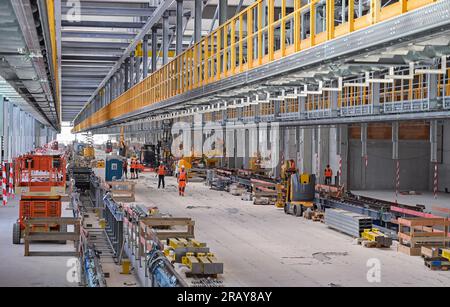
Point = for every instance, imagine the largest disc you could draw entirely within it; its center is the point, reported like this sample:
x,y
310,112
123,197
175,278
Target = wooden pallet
x,y
122,191
53,236
415,233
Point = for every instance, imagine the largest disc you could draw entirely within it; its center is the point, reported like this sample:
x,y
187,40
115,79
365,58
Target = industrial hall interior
x,y
225,143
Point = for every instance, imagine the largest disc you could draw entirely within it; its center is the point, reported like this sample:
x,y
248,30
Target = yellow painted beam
x,y
52,30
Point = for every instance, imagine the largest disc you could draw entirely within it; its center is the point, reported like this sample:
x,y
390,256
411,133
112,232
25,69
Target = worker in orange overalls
x,y
328,175
161,174
182,179
133,168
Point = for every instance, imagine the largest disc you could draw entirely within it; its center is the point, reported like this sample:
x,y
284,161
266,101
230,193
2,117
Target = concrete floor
x,y
19,271
261,246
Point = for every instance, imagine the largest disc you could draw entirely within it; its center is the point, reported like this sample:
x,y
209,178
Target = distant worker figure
x,y
125,168
132,168
182,178
328,175
136,167
161,174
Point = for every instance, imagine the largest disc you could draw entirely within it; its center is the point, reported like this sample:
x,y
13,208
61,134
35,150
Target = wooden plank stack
x,y
414,233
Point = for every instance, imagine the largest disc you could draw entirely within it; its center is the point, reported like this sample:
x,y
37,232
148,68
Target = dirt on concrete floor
x,y
262,246
16,270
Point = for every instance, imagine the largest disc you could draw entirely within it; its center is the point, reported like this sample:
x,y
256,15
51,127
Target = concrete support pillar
x,y
395,127
434,141
145,57
154,48
364,156
198,134
342,153
302,107
276,108
306,150
334,103
224,160
165,39
432,88
375,97
179,28
198,20
324,149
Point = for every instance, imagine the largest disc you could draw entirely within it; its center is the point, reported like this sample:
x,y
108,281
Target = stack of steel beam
x,y
347,222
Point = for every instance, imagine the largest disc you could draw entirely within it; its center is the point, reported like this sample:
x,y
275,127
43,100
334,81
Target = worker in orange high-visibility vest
x,y
328,175
161,174
182,179
133,168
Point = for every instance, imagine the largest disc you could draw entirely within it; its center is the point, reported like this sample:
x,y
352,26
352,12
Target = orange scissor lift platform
x,y
40,180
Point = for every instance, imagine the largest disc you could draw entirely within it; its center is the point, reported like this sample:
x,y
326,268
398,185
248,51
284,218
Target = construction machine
x,y
40,181
300,193
296,192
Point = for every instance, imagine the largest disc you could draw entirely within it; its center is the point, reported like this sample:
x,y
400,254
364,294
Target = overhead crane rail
x,y
231,50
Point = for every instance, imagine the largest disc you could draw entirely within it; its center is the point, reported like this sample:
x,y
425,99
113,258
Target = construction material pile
x,y
347,222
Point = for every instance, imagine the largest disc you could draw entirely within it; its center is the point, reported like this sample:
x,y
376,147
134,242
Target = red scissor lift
x,y
40,182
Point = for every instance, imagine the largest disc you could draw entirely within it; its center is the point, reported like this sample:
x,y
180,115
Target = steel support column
x,y
223,9
165,39
154,48
145,57
198,12
137,69
363,154
126,74
395,140
434,141
132,69
179,28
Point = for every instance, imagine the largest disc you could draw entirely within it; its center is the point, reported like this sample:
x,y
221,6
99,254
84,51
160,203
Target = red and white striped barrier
x,y
397,181
340,170
4,191
435,183
11,180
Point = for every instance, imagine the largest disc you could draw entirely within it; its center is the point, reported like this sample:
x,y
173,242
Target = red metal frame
x,y
35,207
38,173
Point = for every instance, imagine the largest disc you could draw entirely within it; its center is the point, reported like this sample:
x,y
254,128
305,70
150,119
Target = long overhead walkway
x,y
276,62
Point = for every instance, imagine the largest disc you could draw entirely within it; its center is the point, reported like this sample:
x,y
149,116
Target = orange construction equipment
x,y
40,181
40,175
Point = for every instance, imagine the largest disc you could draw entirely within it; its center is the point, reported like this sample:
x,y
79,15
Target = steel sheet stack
x,y
347,222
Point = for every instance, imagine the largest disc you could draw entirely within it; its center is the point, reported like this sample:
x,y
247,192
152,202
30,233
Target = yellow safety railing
x,y
232,49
